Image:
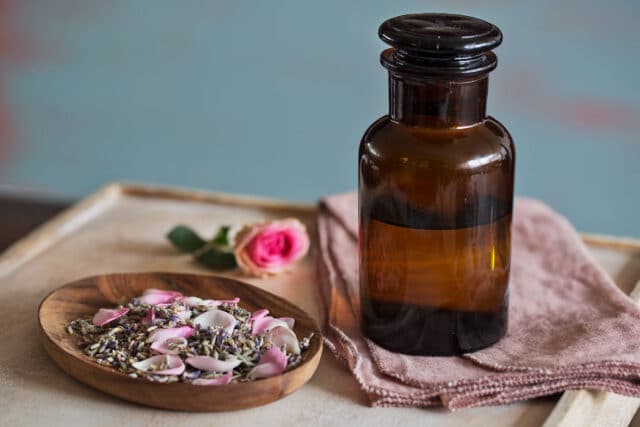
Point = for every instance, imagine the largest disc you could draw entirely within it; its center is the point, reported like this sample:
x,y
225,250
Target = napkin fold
x,y
570,327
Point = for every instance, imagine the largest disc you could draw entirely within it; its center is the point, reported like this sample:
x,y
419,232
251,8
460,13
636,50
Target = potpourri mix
x,y
165,336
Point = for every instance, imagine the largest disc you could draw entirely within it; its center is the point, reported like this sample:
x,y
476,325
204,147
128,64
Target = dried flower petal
x,y
284,337
164,334
198,302
184,315
153,291
265,324
106,315
169,346
216,318
259,314
227,301
290,321
206,363
191,301
273,362
224,379
164,364
150,316
159,296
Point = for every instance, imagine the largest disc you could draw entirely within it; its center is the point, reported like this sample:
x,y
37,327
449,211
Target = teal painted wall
x,y
271,98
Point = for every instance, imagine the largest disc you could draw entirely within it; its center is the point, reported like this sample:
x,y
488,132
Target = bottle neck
x,y
437,102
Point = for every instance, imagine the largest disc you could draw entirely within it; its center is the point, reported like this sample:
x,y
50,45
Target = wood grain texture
x,y
19,215
622,243
86,296
62,225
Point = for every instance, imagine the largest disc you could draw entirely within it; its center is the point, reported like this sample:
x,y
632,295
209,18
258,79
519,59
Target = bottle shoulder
x,y
483,144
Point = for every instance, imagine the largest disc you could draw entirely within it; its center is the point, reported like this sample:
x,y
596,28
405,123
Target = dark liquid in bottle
x,y
436,193
435,284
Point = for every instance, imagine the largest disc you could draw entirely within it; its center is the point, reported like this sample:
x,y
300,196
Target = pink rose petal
x,y
216,318
206,363
106,315
290,321
150,316
198,302
173,365
163,346
166,292
264,324
284,337
163,334
273,362
259,314
159,296
224,379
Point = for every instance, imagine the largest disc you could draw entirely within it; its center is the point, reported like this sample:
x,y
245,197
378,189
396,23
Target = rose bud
x,y
271,247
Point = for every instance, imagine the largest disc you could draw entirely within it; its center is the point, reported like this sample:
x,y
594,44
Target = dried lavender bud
x,y
124,341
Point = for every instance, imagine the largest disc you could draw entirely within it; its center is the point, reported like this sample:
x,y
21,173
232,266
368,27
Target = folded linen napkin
x,y
570,327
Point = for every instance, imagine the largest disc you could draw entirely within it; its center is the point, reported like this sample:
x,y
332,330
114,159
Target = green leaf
x,y
217,259
216,254
222,236
185,239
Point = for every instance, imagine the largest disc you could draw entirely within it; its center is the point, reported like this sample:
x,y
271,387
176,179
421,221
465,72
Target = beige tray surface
x,y
121,229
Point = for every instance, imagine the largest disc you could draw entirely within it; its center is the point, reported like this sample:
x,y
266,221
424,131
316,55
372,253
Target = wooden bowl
x,y
84,297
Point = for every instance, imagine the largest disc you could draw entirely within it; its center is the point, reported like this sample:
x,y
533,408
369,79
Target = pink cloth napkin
x,y
570,327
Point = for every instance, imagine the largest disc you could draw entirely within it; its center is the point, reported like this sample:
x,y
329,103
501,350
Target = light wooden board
x,y
121,229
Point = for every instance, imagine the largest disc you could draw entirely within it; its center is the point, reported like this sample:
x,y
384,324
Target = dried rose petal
x,y
184,315
284,337
259,314
216,318
234,300
206,363
290,321
191,301
273,362
159,296
163,364
150,316
106,315
163,334
164,347
166,292
198,302
224,379
264,324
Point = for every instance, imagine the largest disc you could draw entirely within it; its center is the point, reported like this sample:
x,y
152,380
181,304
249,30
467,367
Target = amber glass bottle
x,y
436,193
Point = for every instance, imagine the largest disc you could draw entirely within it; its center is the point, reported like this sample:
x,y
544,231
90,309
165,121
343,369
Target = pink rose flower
x,y
270,247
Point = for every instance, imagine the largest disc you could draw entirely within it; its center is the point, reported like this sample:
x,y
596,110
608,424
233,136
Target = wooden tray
x,y
121,228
